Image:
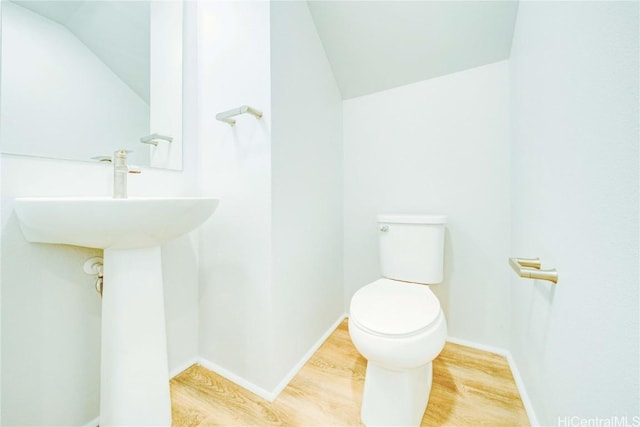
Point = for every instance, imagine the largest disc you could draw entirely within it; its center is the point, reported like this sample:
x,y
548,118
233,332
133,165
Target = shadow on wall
x,y
50,332
442,290
539,312
180,280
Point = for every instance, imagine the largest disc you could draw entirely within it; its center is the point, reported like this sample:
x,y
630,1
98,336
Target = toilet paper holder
x,y
530,268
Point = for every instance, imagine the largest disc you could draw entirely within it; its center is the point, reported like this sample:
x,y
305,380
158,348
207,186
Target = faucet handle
x,y
102,159
122,153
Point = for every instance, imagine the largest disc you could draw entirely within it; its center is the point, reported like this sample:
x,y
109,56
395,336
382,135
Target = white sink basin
x,y
134,379
100,222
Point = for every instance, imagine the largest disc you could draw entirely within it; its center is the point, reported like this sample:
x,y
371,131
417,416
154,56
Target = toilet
x,y
396,322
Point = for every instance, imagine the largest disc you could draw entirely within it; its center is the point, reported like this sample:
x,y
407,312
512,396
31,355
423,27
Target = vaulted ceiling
x,y
371,45
378,45
117,32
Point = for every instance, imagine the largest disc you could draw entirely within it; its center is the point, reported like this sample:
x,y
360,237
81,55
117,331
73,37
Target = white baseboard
x,y
182,367
528,406
237,379
491,349
524,396
93,423
273,394
296,368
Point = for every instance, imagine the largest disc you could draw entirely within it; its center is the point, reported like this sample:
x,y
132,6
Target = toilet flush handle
x,y
384,228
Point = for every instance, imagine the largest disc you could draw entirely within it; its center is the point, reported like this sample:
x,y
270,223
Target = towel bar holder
x,y
530,268
153,139
227,116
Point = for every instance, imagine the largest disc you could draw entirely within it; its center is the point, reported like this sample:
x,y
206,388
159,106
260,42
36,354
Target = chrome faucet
x,y
120,171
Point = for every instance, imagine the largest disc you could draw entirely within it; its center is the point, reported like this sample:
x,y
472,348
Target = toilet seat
x,y
394,309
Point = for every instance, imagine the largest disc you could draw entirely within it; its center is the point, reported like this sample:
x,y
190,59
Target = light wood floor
x,y
470,388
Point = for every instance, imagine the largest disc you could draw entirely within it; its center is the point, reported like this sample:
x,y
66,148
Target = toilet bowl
x,y
399,328
396,322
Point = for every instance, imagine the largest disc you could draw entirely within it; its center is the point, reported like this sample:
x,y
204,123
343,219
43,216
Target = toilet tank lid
x,y
412,219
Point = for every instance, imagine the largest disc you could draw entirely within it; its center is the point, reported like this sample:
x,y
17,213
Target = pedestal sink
x,y
134,386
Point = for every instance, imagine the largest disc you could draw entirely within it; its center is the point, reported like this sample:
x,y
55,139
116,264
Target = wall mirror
x,y
81,79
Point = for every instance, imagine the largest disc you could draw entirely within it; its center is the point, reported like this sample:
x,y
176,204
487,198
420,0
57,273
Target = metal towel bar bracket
x,y
154,137
530,268
227,116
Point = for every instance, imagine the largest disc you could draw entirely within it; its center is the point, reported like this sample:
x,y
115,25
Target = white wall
x,y
438,146
575,205
271,264
50,310
48,77
306,176
236,330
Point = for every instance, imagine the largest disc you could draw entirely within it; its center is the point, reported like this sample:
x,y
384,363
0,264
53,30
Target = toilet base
x,y
395,398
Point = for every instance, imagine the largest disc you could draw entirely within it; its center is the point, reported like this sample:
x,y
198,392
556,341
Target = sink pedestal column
x,y
134,388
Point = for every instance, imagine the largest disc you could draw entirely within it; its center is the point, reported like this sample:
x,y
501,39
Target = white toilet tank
x,y
412,247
